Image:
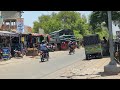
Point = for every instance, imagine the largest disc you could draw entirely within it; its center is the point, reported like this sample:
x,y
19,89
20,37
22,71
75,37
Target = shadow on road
x,y
97,58
106,74
87,76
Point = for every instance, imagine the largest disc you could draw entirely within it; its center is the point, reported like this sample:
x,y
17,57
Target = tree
x,y
63,20
36,26
98,17
99,21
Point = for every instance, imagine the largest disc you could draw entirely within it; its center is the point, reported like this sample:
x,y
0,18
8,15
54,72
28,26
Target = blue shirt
x,y
43,47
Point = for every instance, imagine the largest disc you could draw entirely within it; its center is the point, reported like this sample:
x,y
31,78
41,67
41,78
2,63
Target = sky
x,y
31,16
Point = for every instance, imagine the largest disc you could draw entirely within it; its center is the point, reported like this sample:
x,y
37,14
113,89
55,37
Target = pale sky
x,y
31,16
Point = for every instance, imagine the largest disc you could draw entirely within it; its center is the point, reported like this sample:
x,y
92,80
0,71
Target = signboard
x,y
1,21
5,53
20,25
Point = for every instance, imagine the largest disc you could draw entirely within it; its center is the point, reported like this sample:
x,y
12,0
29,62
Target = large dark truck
x,y
92,45
61,38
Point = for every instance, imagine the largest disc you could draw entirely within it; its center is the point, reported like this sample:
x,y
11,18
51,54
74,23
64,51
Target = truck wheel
x,y
100,55
87,57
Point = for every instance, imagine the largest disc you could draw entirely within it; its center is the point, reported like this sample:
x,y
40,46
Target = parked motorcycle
x,y
18,53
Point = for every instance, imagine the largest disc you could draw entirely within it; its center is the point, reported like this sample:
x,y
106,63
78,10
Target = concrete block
x,y
112,69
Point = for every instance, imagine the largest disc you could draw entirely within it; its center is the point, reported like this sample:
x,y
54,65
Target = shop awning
x,y
36,34
6,33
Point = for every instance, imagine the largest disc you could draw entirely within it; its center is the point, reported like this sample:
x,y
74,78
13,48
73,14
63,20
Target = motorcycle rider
x,y
70,44
43,48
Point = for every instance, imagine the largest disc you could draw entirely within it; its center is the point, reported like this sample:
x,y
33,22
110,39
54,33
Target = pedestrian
x,y
106,46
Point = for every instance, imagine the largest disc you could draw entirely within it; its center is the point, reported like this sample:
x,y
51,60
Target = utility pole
x,y
112,67
1,21
111,49
20,32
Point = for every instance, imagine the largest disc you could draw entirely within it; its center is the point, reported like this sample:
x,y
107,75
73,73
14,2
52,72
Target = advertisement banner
x,y
20,25
6,52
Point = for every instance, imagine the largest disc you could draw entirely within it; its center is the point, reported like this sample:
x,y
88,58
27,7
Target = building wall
x,y
10,14
27,29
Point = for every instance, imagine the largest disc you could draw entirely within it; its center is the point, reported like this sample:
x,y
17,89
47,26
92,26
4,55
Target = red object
x,y
36,34
64,46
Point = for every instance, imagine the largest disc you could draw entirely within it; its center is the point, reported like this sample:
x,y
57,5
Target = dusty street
x,y
30,68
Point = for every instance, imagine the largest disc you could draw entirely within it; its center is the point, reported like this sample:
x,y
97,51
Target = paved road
x,y
32,69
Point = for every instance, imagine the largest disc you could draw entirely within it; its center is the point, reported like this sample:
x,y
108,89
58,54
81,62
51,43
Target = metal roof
x,y
6,33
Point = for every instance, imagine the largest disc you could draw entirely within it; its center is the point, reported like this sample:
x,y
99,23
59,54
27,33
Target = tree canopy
x,y
63,20
99,17
98,22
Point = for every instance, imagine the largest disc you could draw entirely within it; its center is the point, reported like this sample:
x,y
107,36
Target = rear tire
x,y
74,51
47,57
16,55
42,58
100,55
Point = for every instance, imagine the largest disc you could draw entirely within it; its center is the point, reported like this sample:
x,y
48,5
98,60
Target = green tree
x,y
98,17
36,26
99,22
64,20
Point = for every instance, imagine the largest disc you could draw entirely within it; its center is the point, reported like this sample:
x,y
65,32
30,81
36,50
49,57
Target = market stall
x,y
33,41
5,43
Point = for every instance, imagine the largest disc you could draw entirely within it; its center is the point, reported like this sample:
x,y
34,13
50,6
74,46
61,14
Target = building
x,y
27,29
9,20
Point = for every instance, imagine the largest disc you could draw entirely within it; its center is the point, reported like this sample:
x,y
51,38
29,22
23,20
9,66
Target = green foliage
x,y
77,35
74,21
98,17
103,33
36,27
99,20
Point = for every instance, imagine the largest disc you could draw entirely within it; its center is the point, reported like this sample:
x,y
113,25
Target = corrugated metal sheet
x,y
10,14
6,33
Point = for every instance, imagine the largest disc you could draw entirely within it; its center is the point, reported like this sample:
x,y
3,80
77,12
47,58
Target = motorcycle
x,y
44,56
18,53
72,50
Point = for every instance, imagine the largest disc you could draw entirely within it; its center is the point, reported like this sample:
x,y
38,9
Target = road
x,y
32,69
